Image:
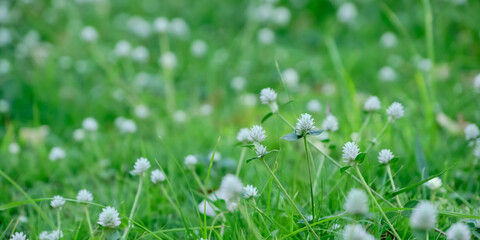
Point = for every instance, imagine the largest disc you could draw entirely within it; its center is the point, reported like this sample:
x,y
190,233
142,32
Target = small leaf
x,y
112,234
250,159
291,137
343,169
414,185
315,132
285,104
267,117
251,146
395,159
360,157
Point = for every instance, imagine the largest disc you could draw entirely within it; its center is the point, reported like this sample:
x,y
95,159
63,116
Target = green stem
x,y
85,207
389,171
364,125
240,162
137,196
59,221
375,140
199,182
309,176
365,185
261,216
290,200
169,199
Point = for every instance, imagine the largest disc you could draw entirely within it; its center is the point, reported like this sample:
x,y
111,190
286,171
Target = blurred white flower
x,y
260,150
280,16
356,202
84,195
5,36
266,36
190,160
4,12
387,74
161,25
141,166
56,153
78,135
243,135
232,206
424,64
216,158
207,207
14,148
257,134
89,34
395,111
314,106
356,232
238,83
109,218
141,111
90,124
180,116
471,131
4,106
168,60
206,109
250,191
424,216
476,150
262,13
385,156
350,151
139,26
53,235
347,12
290,76
372,104
122,48
476,82
18,236
304,124
140,54
178,27
434,183
4,66
330,123
198,48
231,187
248,99
57,202
459,231
269,96
157,176
388,40
125,125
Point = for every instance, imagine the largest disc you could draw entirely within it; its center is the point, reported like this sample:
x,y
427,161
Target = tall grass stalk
x,y
309,175
390,176
132,212
87,215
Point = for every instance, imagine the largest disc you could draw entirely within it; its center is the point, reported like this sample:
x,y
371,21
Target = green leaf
x,y
112,234
395,159
343,169
267,117
412,186
360,157
285,104
250,159
291,137
251,146
315,132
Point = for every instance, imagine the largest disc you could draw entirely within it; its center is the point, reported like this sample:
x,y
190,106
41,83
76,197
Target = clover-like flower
x,y
84,196
395,111
250,191
459,231
141,166
109,218
356,202
350,152
303,128
372,104
190,160
157,176
257,134
424,216
269,96
57,202
19,236
385,156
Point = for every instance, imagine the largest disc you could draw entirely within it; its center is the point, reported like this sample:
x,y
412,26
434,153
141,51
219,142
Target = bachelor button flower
x,y
372,104
190,160
198,48
385,156
458,231
356,232
269,96
304,124
356,202
56,153
256,134
395,111
434,183
260,150
160,25
57,202
84,196
109,218
243,135
250,191
168,60
141,166
350,151
18,236
471,131
231,187
424,216
90,124
330,123
122,48
89,34
157,176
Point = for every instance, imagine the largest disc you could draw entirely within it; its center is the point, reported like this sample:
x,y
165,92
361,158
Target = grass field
x,y
159,109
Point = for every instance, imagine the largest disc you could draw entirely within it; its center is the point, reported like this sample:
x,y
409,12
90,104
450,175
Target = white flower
x,y
139,26
84,195
356,202
395,111
290,76
314,106
5,36
53,235
78,135
471,131
109,218
141,111
19,236
458,231
388,40
141,166
356,232
476,150
4,106
206,109
372,104
248,99
434,183
14,148
266,36
180,116
387,74
424,64
250,191
125,125
157,176
4,66
385,156
90,124
122,48
269,96
207,207
198,48
350,151
424,216
232,206
476,82
178,27
257,134
260,150
160,25
89,34
140,54
168,60
347,12
231,187
304,124
56,153
238,83
190,161
57,202
243,135
330,123
280,16
216,158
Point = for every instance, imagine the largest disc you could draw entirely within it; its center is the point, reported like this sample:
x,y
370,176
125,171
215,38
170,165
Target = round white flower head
x,y
89,34
179,27
139,26
180,116
372,104
290,76
388,40
266,36
424,216
217,157
256,134
356,202
471,131
458,231
141,111
160,25
198,48
190,161
350,151
84,195
53,235
260,150
57,202
125,125
90,124
78,135
250,191
314,106
56,153
206,109
476,150
14,148
141,166
122,48
395,111
330,123
476,82
238,83
424,64
4,66
157,176
387,74
434,183
5,36
232,206
4,106
347,12
385,156
231,187
19,236
109,218
168,60
140,54
281,16
243,135
356,232
269,96
304,124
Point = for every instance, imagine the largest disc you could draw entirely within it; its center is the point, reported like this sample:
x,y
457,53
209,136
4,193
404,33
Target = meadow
x,y
261,119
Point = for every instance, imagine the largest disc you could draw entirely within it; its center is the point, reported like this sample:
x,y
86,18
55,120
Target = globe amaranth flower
x,y
330,123
157,176
89,34
385,156
160,25
109,218
56,153
84,196
372,104
350,152
250,191
19,236
90,124
424,216
356,232
395,111
256,134
53,235
190,161
459,231
243,135
471,131
356,202
434,183
231,187
304,124
141,166
269,96
57,202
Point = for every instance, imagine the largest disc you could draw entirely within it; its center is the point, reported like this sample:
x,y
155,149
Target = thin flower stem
x,y
364,125
266,216
365,185
290,199
169,199
199,182
240,162
261,216
132,212
309,176
87,215
59,221
285,120
389,171
378,136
